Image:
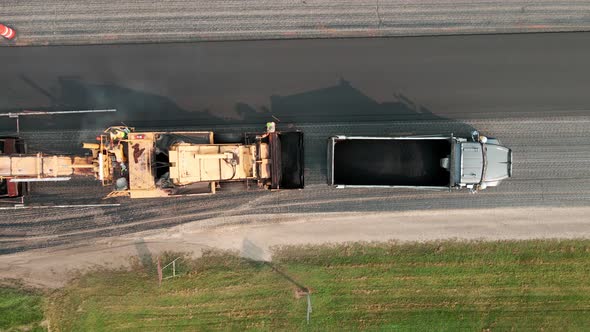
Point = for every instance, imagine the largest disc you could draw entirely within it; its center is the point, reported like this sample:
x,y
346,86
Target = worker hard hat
x,y
270,127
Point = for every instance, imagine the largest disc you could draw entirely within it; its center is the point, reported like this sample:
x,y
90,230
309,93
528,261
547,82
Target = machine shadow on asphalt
x,y
338,103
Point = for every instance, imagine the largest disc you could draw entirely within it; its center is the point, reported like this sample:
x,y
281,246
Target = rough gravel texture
x,y
52,22
550,170
254,237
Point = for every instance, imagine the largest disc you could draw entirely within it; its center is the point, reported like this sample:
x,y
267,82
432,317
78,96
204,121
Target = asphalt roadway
x,y
530,91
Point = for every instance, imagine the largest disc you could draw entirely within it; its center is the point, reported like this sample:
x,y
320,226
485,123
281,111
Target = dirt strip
x,y
254,236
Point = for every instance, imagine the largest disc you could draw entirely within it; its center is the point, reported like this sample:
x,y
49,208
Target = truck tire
x,y
232,187
228,138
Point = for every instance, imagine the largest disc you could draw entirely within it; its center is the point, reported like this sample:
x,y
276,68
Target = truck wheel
x,y
228,138
232,187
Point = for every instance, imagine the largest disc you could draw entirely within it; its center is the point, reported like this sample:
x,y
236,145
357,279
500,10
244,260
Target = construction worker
x,y
270,127
119,133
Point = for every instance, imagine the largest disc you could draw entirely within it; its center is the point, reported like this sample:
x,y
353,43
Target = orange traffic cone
x,y
7,32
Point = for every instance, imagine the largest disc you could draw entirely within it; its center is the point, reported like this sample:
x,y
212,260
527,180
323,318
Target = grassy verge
x,y
446,286
20,310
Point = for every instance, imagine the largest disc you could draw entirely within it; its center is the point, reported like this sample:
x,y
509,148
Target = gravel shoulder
x,y
254,236
63,22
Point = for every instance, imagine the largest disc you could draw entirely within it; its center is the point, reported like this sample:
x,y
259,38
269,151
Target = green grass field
x,y
446,286
20,310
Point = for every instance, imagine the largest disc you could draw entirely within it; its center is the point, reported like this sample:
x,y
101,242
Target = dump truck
x,y
420,162
145,164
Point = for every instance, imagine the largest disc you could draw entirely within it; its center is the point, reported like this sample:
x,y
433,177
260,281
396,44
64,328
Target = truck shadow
x,y
339,103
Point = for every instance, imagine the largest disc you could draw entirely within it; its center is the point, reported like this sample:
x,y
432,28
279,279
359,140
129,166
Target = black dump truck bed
x,y
389,162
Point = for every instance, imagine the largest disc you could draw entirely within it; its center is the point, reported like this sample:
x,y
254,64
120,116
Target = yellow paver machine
x,y
160,164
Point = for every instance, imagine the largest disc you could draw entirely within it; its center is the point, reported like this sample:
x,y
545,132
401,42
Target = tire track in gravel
x,y
550,169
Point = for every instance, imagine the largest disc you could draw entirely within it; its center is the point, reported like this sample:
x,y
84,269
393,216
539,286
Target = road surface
x,y
492,76
530,91
55,22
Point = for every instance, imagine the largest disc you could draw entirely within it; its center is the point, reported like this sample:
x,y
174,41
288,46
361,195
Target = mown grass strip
x,y
442,286
20,309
